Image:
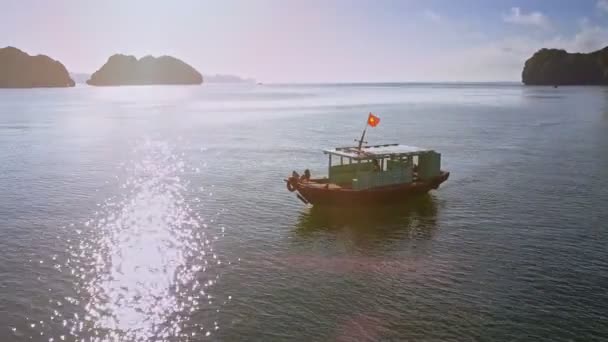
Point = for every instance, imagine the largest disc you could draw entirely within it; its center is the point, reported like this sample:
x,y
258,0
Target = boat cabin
x,y
381,165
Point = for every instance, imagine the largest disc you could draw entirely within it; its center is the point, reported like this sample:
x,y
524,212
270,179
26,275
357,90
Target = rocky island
x,y
20,70
128,70
558,67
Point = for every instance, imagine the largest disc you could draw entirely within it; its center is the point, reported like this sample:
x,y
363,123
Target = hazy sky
x,y
310,40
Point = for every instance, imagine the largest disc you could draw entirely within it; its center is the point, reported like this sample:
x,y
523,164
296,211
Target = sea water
x,y
159,213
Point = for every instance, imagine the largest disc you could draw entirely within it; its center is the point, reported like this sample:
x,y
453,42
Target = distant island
x,y
223,78
127,70
20,70
558,67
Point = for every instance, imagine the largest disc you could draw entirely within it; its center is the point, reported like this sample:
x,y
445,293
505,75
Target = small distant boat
x,y
377,174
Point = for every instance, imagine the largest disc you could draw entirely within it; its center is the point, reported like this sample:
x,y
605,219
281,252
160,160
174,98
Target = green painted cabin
x,y
396,164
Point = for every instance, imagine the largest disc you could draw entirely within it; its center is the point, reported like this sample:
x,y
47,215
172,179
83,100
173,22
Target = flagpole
x,y
362,137
374,120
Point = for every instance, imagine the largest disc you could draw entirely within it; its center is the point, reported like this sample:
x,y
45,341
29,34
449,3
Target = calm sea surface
x,y
159,213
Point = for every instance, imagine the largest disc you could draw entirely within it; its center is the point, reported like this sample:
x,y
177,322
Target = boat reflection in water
x,y
352,246
387,240
413,219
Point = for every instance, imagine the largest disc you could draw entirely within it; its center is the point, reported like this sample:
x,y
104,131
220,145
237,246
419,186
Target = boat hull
x,y
324,195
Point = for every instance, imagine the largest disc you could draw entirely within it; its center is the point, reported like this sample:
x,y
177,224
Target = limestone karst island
x,y
20,70
558,67
127,70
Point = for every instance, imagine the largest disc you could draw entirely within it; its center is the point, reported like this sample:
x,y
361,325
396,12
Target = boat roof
x,y
377,151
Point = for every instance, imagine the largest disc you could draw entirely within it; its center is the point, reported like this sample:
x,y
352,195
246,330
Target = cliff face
x,y
128,70
558,67
20,70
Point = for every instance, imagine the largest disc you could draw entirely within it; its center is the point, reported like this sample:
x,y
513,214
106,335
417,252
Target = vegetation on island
x,y
20,70
558,67
128,70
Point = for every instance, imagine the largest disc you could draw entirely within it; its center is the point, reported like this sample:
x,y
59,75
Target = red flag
x,y
373,120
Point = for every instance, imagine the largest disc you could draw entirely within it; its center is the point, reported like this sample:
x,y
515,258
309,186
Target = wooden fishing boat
x,y
368,175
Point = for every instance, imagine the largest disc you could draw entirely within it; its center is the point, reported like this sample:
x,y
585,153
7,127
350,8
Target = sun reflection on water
x,y
145,263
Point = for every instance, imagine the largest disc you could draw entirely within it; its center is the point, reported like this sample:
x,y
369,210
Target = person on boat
x,y
376,165
306,175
